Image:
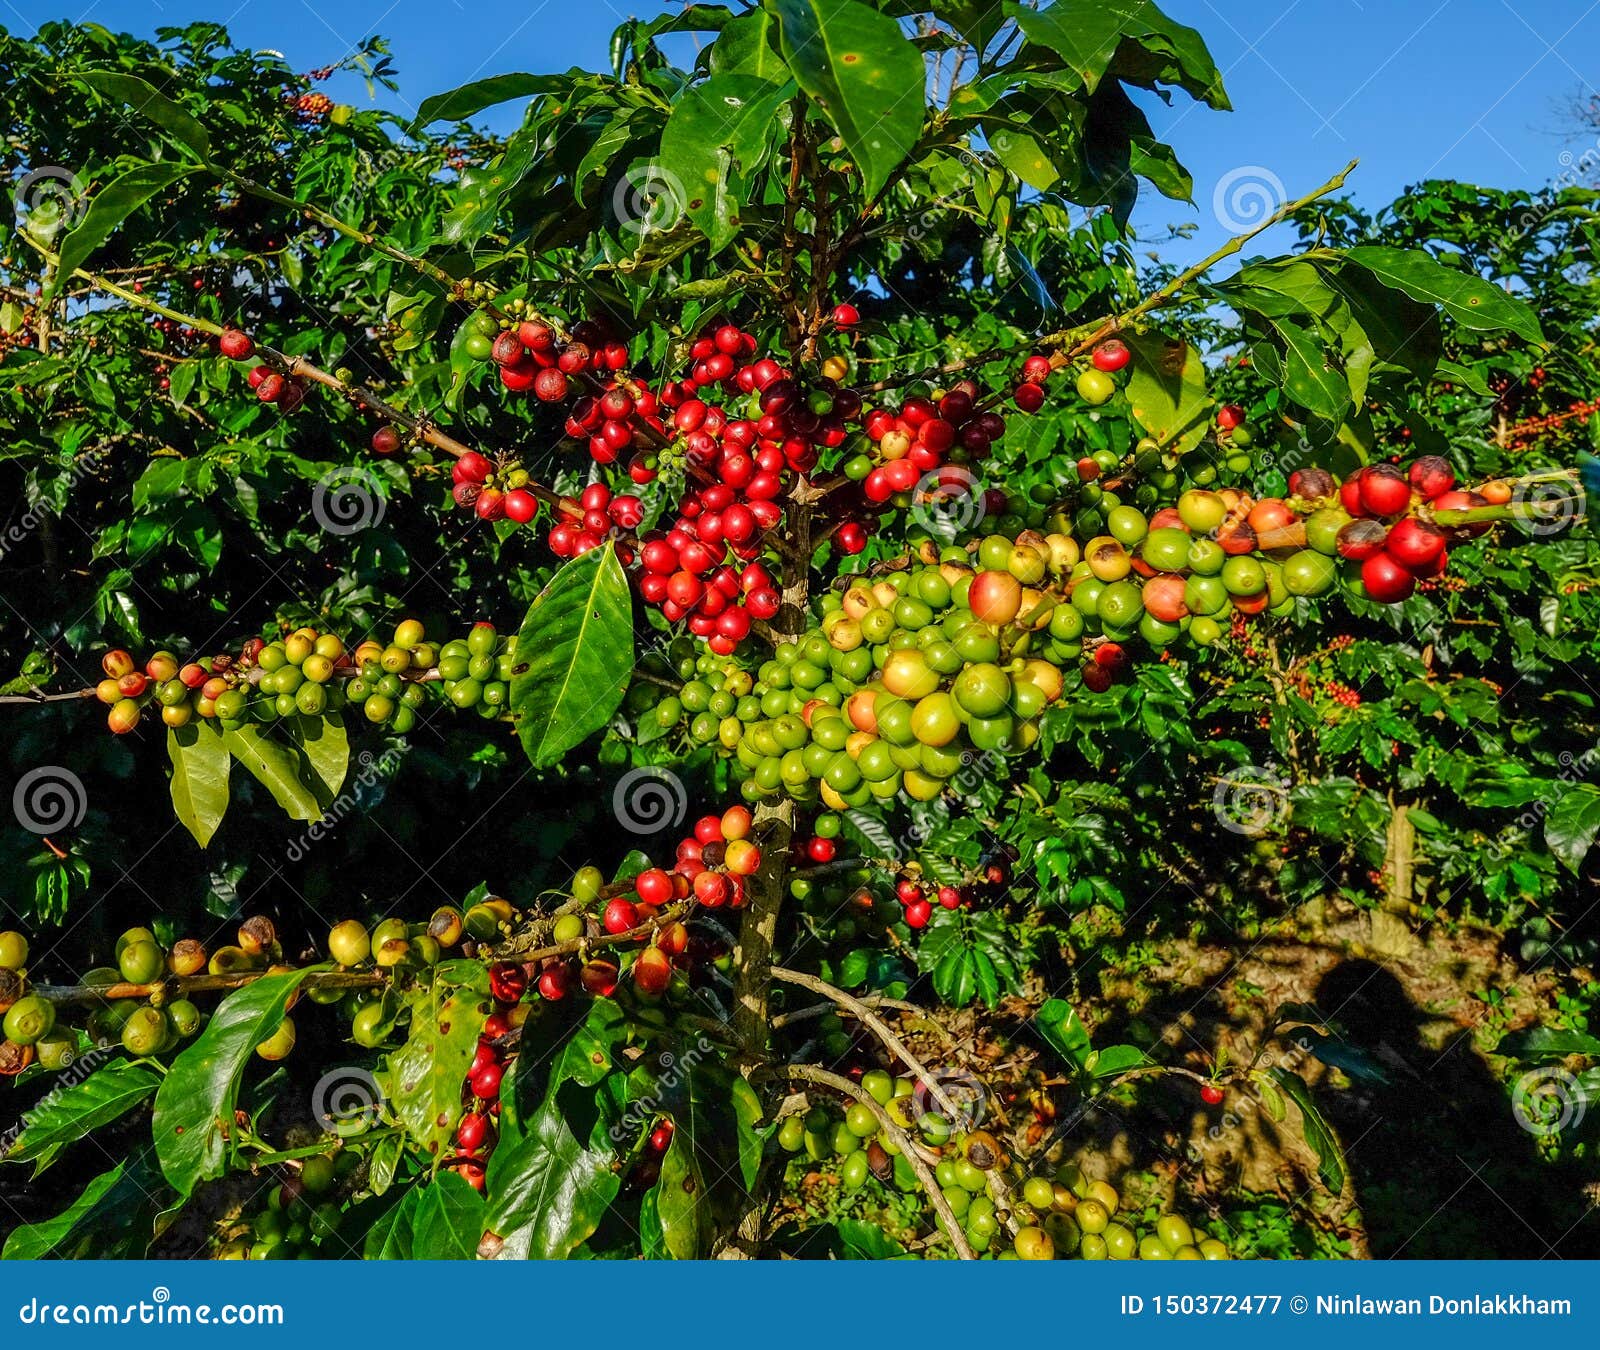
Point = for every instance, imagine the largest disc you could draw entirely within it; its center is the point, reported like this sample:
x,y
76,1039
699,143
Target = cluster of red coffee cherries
x,y
270,385
919,901
1107,665
922,435
1395,547
573,536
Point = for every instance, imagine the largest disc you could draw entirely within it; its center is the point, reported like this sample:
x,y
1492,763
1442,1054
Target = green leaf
x,y
67,1114
861,1241
279,768
462,102
200,767
748,45
325,743
715,138
110,1219
546,1190
113,204
864,73
1571,824
1131,39
1466,297
1318,1133
1059,1023
143,98
426,1072
194,1106
1308,378
1167,390
574,656
1548,1043
440,1220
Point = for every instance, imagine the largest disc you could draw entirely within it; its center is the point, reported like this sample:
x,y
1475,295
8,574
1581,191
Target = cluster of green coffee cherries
x,y
299,1217
154,1023
892,692
1070,1215
312,673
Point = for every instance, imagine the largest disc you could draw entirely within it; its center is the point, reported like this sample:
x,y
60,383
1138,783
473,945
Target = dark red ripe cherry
x,y
385,441
1414,544
620,916
507,981
1311,485
661,1136
654,887
821,850
520,506
846,316
908,891
486,1081
918,914
1113,355
1097,677
1350,493
1230,415
536,337
1036,369
949,897
1028,397
554,981
1458,500
1360,539
507,350
550,385
473,467
1211,1095
1385,490
491,504
1432,475
1386,580
236,346
474,1129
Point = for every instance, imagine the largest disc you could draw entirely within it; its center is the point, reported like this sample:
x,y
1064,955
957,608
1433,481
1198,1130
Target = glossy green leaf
x,y
1131,39
715,136
425,1074
113,1217
1572,823
456,105
200,767
1318,1133
325,744
279,768
546,1189
143,98
1058,1022
1466,297
194,1105
574,656
1167,390
440,1220
865,75
67,1113
109,207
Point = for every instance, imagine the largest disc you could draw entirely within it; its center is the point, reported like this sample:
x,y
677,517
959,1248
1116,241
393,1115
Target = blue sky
x,y
1472,89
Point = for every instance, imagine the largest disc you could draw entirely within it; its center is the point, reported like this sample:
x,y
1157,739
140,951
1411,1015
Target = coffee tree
x,y
774,437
